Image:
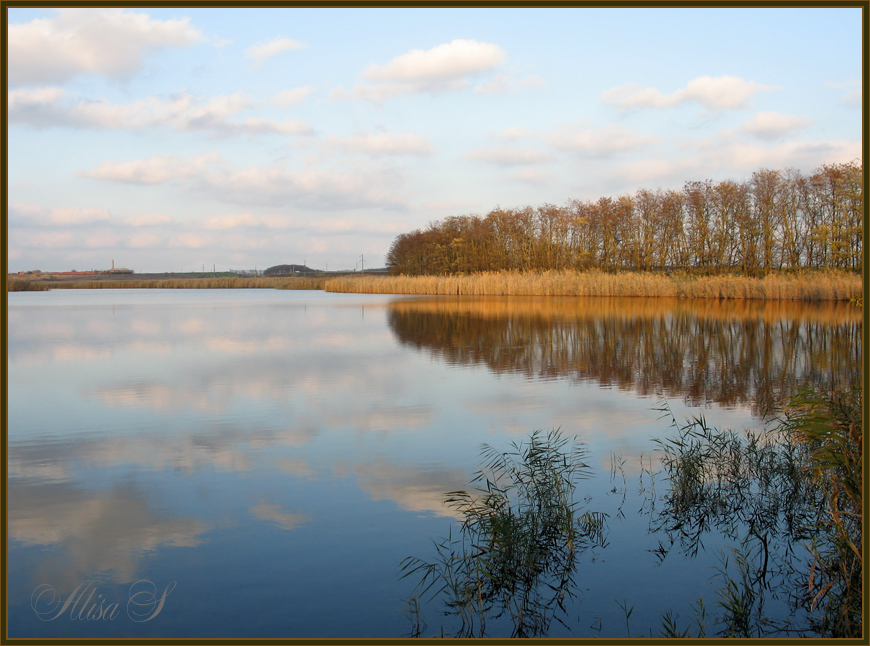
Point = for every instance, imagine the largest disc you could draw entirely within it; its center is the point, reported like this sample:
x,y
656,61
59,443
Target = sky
x,y
183,139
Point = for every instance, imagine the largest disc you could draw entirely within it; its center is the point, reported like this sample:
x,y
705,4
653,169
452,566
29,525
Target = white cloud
x,y
853,96
605,142
109,42
448,206
37,215
719,93
317,189
289,98
508,156
189,241
502,83
50,107
646,171
383,143
771,126
152,220
330,226
77,216
534,176
232,221
853,99
512,133
261,53
145,241
444,68
43,239
254,125
154,170
453,60
102,240
256,185
804,154
380,93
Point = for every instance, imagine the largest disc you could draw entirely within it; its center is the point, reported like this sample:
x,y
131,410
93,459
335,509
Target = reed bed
x,y
819,286
24,285
196,283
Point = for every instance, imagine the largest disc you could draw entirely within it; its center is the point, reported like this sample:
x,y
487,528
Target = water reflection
x,y
520,533
302,444
107,531
728,352
787,500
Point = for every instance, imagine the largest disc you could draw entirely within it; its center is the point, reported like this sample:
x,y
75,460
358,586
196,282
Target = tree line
x,y
777,219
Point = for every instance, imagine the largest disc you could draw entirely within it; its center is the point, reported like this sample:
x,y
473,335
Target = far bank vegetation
x,y
775,221
227,282
780,235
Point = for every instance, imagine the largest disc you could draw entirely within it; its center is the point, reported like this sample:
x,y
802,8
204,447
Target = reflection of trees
x,y
725,352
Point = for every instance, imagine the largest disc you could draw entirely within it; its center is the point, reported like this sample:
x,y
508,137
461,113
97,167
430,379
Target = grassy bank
x,y
194,283
818,286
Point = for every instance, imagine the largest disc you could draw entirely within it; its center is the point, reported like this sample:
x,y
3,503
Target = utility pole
x,y
362,261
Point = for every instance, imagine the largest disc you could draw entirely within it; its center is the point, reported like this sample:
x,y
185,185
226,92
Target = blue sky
x,y
176,138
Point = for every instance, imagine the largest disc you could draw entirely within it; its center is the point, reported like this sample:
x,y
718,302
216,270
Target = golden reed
x,y
193,283
809,286
816,286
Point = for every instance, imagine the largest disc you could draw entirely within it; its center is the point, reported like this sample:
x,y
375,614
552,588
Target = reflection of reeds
x,y
801,480
571,308
520,533
818,286
295,282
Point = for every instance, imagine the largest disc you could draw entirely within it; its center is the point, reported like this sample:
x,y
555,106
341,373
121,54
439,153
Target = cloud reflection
x,y
274,514
105,531
413,488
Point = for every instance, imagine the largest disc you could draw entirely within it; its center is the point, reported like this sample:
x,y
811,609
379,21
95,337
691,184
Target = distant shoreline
x,y
802,286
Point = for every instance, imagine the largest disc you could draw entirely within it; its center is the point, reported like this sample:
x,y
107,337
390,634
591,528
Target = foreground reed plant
x,y
790,498
518,539
817,286
782,506
830,427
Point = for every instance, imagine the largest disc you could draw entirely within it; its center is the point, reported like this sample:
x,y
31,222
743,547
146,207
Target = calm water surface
x,y
263,460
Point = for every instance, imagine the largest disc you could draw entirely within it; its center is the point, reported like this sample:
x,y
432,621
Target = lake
x,y
258,463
